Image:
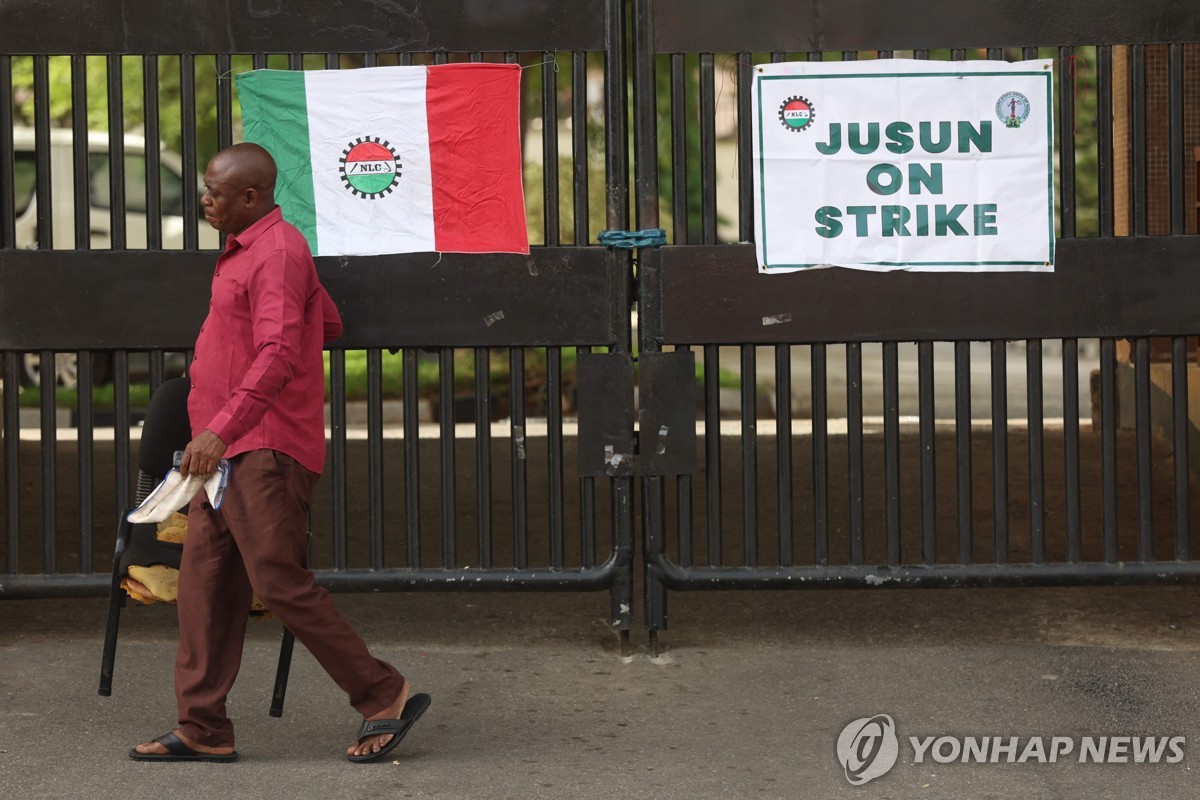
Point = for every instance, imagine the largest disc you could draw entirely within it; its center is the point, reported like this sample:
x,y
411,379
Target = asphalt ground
x,y
533,699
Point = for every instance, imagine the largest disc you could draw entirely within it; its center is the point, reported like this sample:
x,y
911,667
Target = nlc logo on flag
x,y
394,159
369,169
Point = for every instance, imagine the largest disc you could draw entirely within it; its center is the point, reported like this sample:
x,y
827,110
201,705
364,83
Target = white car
x,y
62,187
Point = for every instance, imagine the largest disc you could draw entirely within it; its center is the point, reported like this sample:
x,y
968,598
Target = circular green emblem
x,y
797,114
1012,108
369,168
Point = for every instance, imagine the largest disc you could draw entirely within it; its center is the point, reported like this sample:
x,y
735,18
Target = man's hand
x,y
202,454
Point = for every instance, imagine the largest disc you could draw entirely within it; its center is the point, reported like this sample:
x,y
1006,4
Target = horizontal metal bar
x,y
25,587
718,26
473,300
713,294
477,580
925,576
351,26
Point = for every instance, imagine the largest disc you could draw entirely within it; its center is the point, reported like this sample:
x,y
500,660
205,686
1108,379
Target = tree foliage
x,y
132,114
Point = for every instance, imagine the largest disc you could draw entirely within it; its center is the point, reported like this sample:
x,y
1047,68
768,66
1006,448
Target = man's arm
x,y
333,320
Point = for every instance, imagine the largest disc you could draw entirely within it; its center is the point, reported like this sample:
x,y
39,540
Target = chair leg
x,y
116,600
281,672
285,649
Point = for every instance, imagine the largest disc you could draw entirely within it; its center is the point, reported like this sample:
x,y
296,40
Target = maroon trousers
x,y
257,543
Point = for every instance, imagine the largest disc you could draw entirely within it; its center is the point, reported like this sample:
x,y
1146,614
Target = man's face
x,y
229,206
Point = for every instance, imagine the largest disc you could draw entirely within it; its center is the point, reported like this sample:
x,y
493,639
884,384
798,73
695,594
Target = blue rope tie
x,y
629,240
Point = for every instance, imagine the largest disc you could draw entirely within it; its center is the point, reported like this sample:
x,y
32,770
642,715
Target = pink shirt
x,y
258,378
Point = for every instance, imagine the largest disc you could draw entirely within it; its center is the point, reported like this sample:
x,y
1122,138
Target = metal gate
x,y
857,448
866,499
463,335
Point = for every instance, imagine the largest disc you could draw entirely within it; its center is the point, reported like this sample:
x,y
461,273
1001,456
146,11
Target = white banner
x,y
901,164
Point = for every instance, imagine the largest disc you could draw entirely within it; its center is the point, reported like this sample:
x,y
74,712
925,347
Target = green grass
x,y
391,374
102,396
429,371
726,379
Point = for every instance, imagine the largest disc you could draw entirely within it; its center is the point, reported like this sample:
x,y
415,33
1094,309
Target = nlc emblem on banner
x,y
900,164
405,159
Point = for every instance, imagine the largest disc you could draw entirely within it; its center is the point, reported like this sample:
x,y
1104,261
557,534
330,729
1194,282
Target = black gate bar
x,y
575,296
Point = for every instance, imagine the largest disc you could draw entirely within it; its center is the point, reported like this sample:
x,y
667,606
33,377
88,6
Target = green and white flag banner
x,y
902,164
394,159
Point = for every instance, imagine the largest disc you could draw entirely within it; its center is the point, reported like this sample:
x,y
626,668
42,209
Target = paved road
x,y
533,700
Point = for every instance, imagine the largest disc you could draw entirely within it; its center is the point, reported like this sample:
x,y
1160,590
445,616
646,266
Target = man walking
x,y
257,398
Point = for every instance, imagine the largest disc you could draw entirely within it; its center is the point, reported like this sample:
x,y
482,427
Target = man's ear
x,y
250,197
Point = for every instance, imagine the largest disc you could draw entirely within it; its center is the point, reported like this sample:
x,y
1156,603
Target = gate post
x,y
645,164
617,217
654,548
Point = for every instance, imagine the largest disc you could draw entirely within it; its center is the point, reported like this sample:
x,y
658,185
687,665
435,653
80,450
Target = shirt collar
x,y
248,236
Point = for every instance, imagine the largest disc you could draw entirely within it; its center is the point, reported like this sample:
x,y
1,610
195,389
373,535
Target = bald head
x,y
239,187
250,165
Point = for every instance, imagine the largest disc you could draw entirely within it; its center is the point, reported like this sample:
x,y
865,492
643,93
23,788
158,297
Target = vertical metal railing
x,y
854,451
49,439
1180,417
872,481
337,428
891,452
1141,402
820,455
783,451
153,187
390,542
412,462
8,203
518,458
749,414
375,475
446,439
554,454
1180,423
188,152
41,127
963,453
11,410
12,469
928,432
1037,450
617,216
85,433
860,522
1108,450
483,458
1000,451
124,187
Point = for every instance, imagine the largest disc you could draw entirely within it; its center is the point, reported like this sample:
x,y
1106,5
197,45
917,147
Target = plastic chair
x,y
165,431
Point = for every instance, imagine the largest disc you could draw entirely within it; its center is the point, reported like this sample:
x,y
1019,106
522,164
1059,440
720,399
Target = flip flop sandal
x,y
413,709
178,750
